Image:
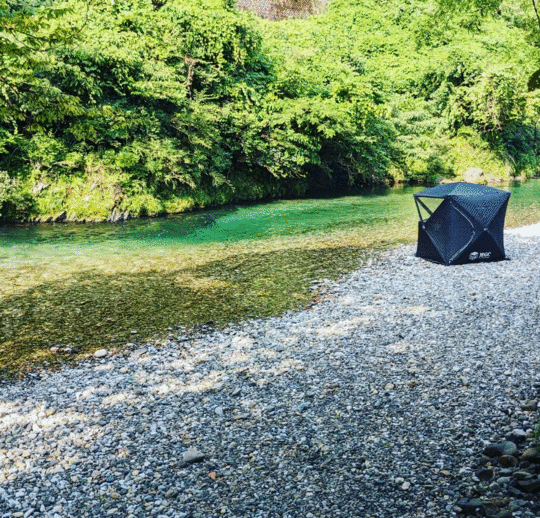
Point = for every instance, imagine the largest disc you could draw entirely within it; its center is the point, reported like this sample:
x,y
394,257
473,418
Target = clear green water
x,y
88,286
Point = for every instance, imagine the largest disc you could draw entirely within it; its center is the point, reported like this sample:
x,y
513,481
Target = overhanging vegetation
x,y
140,107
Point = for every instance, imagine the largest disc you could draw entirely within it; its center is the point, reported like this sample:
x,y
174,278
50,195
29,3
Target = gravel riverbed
x,y
376,401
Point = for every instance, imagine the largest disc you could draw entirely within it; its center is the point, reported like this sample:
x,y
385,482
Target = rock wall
x,y
283,9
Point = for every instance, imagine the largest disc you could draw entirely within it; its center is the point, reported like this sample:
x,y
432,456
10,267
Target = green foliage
x,y
482,6
488,102
7,189
28,37
14,203
147,107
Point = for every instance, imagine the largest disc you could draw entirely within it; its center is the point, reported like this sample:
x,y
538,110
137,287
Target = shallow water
x,y
89,286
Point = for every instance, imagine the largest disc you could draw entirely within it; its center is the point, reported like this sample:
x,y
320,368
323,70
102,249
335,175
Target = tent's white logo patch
x,y
473,256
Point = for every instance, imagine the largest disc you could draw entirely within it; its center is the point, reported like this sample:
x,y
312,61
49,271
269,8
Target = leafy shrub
x,y
146,106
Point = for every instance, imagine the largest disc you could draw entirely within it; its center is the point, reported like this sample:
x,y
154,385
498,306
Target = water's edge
x,y
80,288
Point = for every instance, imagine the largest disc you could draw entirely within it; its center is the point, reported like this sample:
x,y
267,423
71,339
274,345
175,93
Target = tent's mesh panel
x,y
460,232
437,228
432,204
426,248
496,227
482,208
449,230
283,9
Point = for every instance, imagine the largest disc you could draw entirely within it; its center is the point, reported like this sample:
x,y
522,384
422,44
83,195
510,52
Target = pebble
x,y
517,435
100,353
192,455
354,406
530,406
508,461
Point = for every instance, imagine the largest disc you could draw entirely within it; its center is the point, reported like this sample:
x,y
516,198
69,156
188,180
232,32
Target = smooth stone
x,y
515,491
531,455
518,503
506,472
485,474
508,461
490,509
483,460
192,455
530,485
499,449
530,406
517,435
523,475
100,353
171,493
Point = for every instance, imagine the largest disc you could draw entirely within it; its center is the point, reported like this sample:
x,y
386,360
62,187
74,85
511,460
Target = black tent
x,y
466,227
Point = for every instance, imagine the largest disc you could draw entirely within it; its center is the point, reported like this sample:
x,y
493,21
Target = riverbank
x,y
378,400
528,231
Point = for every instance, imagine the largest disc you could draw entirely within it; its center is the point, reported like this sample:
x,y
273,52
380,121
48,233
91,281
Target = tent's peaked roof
x,y
461,189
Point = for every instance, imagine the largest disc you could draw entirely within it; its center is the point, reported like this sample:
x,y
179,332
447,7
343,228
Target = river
x,y
102,285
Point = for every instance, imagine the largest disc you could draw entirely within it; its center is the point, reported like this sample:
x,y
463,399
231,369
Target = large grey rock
x,y
116,216
500,449
517,435
473,175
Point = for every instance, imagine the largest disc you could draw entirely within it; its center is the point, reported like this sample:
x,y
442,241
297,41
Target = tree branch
x,y
536,11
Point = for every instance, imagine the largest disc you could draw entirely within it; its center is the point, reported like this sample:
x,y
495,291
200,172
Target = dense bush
x,y
143,107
